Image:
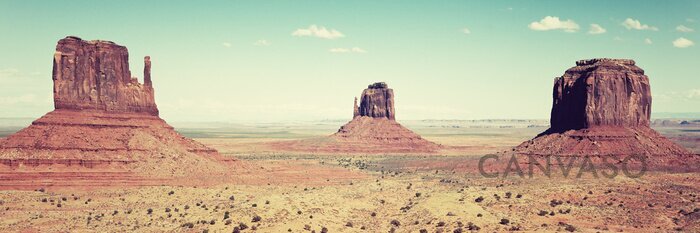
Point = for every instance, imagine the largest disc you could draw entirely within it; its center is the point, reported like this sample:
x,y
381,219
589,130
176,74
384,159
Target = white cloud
x,y
15,74
682,28
262,42
8,73
682,43
23,99
617,38
226,44
678,96
648,41
320,32
692,94
690,20
553,23
466,31
358,50
630,23
339,50
347,50
596,29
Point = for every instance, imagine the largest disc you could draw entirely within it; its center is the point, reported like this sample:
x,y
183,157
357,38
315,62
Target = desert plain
x,y
291,191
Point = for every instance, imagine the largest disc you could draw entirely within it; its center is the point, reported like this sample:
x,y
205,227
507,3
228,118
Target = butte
x,y
602,109
105,129
373,130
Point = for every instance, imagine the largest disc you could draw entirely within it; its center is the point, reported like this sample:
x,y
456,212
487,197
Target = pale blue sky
x,y
240,60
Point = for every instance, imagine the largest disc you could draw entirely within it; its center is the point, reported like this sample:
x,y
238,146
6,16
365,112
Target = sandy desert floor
x,y
301,192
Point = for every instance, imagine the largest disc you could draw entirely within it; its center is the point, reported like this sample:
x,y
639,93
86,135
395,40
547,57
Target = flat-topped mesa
x,y
628,62
601,109
377,101
601,92
95,75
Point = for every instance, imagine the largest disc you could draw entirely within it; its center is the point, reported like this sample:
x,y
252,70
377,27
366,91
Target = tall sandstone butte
x,y
601,92
373,129
377,101
105,128
602,107
96,75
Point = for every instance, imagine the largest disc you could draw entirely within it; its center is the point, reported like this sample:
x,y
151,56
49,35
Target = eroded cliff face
x,y
95,75
601,92
377,101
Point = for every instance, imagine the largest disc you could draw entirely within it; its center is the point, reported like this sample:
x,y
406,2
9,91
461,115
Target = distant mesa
x,y
601,107
373,129
105,128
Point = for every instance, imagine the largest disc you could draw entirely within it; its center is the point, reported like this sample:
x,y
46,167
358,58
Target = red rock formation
x,y
377,101
373,129
601,108
597,92
105,125
95,75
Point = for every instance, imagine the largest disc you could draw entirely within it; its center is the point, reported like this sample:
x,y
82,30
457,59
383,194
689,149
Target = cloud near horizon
x,y
16,74
318,32
695,93
554,23
23,99
8,73
631,23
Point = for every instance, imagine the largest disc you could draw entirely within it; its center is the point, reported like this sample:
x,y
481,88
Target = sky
x,y
266,61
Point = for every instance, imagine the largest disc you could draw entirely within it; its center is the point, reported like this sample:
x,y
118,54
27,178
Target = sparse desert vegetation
x,y
375,193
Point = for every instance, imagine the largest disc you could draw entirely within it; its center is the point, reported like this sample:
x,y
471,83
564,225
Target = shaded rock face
x,y
377,101
95,75
601,92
